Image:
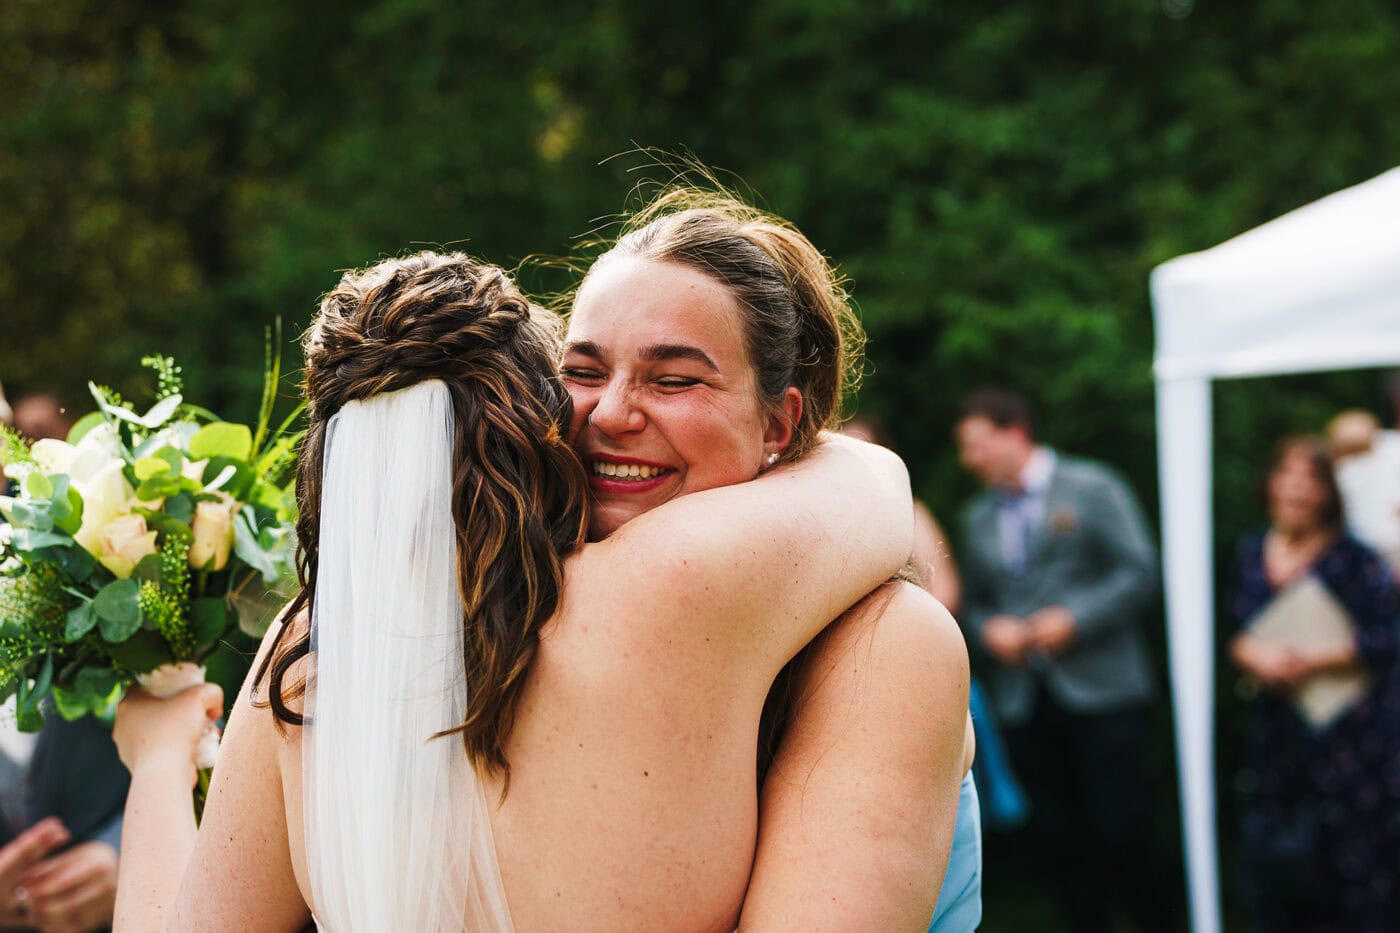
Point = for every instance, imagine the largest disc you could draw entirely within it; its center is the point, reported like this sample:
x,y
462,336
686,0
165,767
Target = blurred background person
x,y
1003,803
1367,464
41,415
1321,807
1057,568
61,794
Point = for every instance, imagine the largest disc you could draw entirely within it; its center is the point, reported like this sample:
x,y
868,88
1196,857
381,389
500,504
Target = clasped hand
x,y
1012,640
69,892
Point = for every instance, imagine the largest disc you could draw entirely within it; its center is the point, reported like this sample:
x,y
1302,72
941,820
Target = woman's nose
x,y
616,411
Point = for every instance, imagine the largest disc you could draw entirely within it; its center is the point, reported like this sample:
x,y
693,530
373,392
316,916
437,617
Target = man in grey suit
x,y
1058,566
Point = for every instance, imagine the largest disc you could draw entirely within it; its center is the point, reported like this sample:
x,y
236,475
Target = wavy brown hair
x,y
519,492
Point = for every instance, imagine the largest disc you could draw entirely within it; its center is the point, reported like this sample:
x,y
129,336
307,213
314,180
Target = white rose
x,y
53,456
107,496
213,533
124,541
169,679
98,450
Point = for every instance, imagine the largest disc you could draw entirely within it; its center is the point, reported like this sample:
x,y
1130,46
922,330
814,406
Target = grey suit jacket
x,y
1091,554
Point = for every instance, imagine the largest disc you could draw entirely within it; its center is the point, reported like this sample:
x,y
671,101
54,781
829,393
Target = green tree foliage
x,y
998,178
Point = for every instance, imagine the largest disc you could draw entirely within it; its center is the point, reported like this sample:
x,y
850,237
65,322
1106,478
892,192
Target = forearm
x,y
157,838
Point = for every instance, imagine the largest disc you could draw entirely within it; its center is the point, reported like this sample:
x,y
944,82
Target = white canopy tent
x,y
1316,289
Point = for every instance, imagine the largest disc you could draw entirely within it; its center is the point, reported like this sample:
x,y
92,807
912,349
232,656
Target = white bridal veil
x,y
397,830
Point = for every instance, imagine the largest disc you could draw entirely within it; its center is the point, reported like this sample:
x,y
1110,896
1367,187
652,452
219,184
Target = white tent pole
x,y
1183,458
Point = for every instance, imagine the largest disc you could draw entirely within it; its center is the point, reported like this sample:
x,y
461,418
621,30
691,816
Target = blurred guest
x,y
7,415
1321,815
1057,568
61,799
1368,473
1003,804
39,416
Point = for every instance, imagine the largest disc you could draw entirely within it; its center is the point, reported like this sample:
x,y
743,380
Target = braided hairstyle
x,y
519,492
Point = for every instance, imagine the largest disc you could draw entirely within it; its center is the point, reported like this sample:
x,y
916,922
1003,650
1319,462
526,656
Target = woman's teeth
x,y
625,470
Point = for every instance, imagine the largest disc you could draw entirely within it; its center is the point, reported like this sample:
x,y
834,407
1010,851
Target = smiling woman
x,y
665,400
712,342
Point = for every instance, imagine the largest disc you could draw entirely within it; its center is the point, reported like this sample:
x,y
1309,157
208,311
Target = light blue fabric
x,y
959,907
1006,806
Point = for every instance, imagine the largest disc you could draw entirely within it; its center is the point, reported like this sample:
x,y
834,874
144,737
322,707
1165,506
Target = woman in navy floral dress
x,y
1321,816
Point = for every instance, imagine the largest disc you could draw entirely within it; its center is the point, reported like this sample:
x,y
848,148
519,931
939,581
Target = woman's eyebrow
x,y
584,348
660,352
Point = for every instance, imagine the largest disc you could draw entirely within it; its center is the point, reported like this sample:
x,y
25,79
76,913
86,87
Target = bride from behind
x,y
460,674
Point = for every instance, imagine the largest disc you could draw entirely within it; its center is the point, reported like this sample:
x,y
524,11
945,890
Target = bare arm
x,y
858,810
236,871
758,568
157,739
933,559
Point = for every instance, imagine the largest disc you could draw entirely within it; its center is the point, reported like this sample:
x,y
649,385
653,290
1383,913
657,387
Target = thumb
x,y
211,697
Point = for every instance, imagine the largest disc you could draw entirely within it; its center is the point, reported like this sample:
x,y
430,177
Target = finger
x,y
83,908
56,875
212,696
31,845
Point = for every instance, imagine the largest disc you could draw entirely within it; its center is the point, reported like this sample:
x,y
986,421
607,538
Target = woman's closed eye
x,y
677,382
582,374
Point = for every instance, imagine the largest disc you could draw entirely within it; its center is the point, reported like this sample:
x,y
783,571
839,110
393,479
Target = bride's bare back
x,y
632,801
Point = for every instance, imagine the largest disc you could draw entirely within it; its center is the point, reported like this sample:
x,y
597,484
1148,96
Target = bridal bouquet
x,y
127,549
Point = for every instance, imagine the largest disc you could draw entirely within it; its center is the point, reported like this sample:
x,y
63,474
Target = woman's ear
x,y
782,421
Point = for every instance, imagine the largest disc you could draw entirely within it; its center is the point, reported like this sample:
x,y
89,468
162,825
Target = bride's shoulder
x,y
280,663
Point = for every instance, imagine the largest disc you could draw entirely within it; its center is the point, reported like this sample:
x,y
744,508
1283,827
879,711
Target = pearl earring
x,y
772,458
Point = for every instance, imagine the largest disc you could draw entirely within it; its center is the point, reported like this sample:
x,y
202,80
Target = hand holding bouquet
x,y
127,548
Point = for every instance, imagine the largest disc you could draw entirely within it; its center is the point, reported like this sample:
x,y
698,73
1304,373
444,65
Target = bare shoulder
x,y
859,806
899,631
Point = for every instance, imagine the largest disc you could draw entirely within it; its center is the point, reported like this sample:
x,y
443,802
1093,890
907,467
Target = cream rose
x,y
213,532
109,531
124,542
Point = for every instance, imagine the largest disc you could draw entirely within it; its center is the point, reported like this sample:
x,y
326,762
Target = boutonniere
x,y
1062,521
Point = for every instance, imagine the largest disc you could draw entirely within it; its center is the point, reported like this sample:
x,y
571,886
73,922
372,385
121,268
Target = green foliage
x,y
998,179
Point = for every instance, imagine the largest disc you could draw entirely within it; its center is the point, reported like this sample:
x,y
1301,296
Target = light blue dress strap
x,y
959,907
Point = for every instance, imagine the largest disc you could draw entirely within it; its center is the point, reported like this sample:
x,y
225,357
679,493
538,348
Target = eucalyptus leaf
x,y
66,505
227,473
222,439
38,486
83,425
142,652
29,515
209,619
148,568
151,467
78,563
160,487
80,622
118,609
180,507
248,547
99,682
27,539
237,484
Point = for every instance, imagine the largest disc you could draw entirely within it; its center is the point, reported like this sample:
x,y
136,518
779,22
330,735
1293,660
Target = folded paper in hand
x,y
1306,617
